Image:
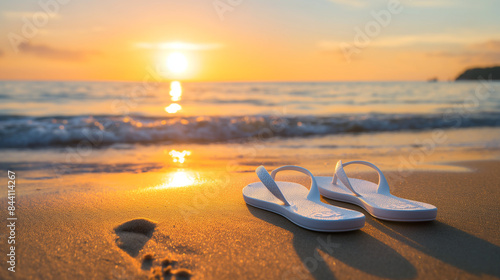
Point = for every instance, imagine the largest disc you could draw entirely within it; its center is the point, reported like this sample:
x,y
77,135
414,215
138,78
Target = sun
x,y
177,63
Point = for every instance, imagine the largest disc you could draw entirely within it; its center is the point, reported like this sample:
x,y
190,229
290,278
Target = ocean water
x,y
36,115
54,134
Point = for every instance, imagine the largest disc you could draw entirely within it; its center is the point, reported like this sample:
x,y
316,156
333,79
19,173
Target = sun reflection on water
x,y
181,177
173,108
179,157
175,96
175,91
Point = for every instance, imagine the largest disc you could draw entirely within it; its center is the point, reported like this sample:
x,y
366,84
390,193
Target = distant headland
x,y
488,73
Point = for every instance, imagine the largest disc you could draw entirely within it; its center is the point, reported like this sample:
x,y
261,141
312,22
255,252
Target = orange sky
x,y
277,40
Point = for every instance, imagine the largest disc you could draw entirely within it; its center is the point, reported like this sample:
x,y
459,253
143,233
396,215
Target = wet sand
x,y
206,231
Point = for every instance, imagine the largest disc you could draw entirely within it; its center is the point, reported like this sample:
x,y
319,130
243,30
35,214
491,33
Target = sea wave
x,y
61,131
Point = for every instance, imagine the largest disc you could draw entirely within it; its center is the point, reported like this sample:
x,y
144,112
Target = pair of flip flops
x,y
304,207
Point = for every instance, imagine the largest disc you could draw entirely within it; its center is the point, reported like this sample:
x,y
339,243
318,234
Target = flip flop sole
x,y
429,216
424,211
355,222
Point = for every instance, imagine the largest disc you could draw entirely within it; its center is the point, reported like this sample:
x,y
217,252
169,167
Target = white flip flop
x,y
376,199
301,206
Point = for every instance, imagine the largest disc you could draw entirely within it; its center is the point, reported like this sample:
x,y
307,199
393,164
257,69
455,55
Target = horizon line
x,y
223,81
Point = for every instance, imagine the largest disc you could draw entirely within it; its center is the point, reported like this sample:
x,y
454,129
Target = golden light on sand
x,y
175,91
179,157
177,63
180,179
177,179
173,108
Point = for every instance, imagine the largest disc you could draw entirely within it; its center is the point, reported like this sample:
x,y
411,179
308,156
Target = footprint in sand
x,y
167,269
134,234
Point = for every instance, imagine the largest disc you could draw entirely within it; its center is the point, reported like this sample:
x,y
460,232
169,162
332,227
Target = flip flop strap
x,y
313,194
270,184
383,186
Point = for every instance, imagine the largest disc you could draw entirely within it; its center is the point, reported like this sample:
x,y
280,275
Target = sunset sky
x,y
253,40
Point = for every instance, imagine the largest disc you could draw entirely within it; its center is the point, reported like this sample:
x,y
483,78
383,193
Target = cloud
x,y
410,3
429,3
25,14
458,48
180,46
430,39
352,3
46,51
489,46
436,40
485,52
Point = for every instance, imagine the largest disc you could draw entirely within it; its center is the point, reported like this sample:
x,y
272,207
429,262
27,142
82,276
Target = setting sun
x,y
177,63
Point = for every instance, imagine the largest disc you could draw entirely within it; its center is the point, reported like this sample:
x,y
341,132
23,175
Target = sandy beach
x,y
206,231
131,133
